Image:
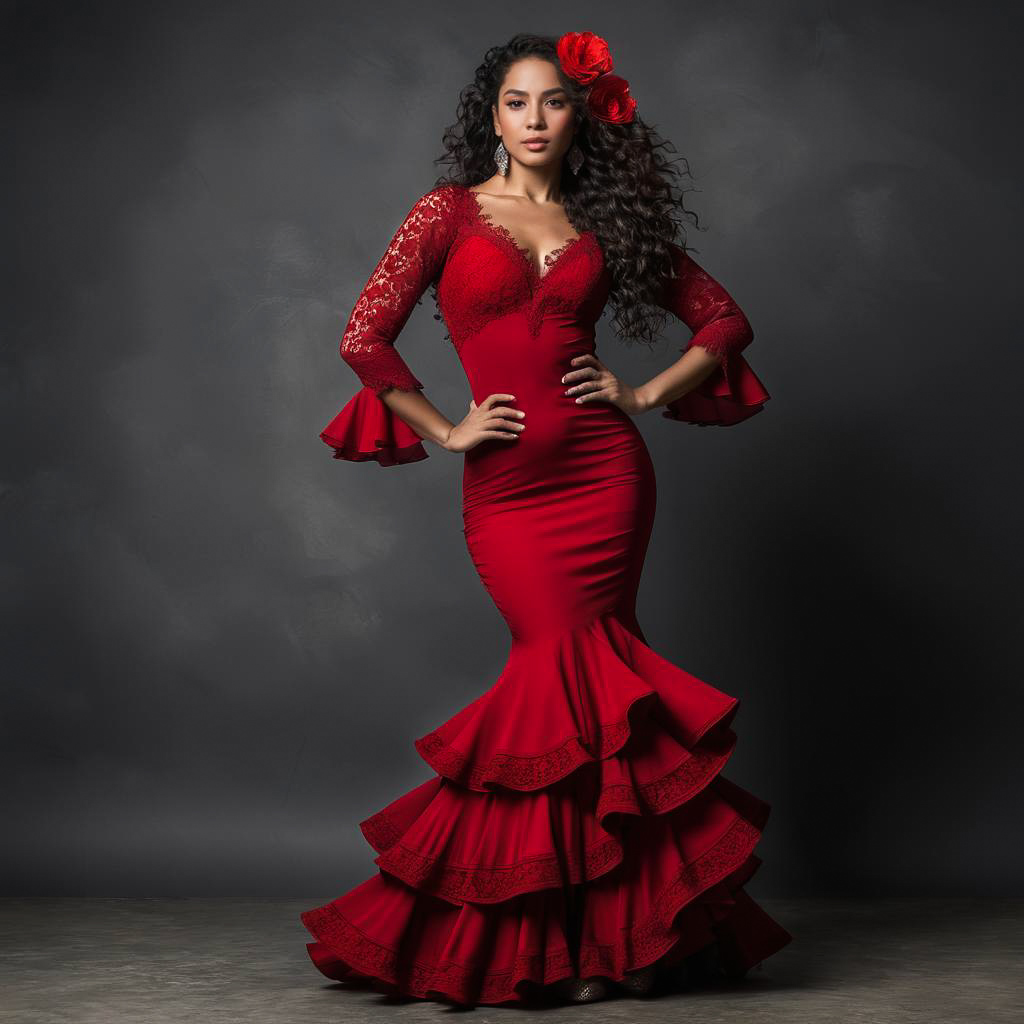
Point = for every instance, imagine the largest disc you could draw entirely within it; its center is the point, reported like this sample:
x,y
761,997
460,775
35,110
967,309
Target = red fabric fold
x,y
366,429
729,395
470,900
595,682
671,896
463,845
470,847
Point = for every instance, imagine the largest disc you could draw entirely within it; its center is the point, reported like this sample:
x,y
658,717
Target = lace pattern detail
x,y
645,942
381,374
648,940
460,883
380,831
506,293
481,884
534,771
537,295
521,772
719,325
417,254
676,787
521,251
485,884
413,259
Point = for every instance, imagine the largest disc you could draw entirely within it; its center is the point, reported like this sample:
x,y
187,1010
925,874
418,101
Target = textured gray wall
x,y
221,643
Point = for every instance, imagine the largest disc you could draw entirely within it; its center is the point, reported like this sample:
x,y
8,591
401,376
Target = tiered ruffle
x,y
367,429
591,760
731,394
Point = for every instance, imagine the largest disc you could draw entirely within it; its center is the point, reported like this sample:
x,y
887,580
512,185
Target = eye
x,y
560,103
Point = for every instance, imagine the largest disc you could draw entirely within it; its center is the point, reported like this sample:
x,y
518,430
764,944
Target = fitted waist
x,y
565,449
565,444
506,357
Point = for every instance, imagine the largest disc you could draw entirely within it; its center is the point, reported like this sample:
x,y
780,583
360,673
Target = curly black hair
x,y
625,191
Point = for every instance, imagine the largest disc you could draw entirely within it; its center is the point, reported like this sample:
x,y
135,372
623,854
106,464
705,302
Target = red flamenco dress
x,y
577,822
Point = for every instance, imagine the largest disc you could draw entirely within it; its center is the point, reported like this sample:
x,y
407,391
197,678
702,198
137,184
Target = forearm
x,y
694,366
420,413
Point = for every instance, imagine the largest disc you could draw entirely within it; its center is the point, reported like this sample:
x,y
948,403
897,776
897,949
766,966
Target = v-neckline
x,y
551,259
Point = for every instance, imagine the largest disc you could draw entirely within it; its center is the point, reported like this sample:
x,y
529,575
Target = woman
x,y
577,833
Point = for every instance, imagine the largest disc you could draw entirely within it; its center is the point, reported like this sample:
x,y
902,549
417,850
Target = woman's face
x,y
532,103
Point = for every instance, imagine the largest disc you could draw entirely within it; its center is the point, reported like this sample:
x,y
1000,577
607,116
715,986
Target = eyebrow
x,y
523,92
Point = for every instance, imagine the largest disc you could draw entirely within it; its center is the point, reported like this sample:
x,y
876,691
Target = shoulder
x,y
437,212
684,265
442,200
435,217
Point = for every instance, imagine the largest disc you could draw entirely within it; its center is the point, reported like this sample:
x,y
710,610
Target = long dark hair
x,y
625,192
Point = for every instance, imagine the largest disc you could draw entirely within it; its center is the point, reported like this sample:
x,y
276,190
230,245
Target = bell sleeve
x,y
732,393
367,429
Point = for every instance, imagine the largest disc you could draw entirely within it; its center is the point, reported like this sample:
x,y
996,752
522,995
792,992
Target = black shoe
x,y
638,983
581,990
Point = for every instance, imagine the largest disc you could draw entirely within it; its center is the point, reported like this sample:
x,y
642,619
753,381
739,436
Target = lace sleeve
x,y
412,260
366,429
732,392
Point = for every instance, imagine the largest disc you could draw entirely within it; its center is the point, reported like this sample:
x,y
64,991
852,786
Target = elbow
x,y
725,335
736,330
346,352
349,348
355,357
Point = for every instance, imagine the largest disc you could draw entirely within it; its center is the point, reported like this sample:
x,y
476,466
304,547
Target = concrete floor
x,y
206,961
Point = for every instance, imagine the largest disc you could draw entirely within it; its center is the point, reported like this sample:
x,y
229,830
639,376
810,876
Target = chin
x,y
539,159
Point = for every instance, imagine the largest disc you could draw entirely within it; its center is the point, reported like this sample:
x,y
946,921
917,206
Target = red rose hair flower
x,y
610,100
584,56
586,59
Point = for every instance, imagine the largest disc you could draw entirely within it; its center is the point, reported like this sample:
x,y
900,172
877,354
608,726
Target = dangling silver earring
x,y
575,158
501,157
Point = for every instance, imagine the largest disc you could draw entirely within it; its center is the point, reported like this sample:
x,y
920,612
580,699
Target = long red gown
x,y
578,822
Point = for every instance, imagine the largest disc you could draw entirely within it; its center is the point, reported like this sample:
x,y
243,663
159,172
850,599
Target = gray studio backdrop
x,y
221,643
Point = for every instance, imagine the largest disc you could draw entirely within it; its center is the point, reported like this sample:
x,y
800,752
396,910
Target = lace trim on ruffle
x,y
496,884
380,831
639,946
651,938
485,884
534,771
666,793
515,772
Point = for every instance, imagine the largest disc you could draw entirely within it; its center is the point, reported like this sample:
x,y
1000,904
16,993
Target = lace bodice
x,y
481,274
450,217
